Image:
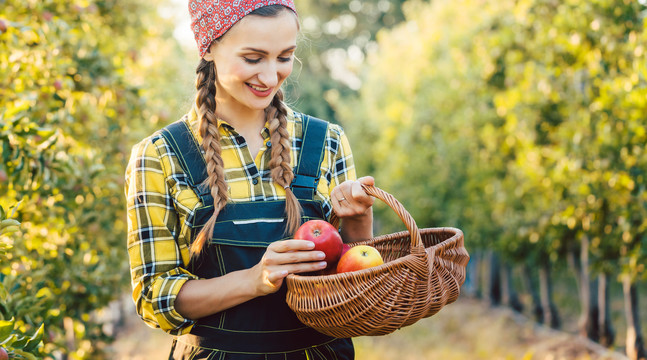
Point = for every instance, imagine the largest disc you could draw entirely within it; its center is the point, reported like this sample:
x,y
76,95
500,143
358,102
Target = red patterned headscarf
x,y
212,18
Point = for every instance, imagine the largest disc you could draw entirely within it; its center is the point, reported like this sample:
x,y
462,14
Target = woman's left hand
x,y
349,199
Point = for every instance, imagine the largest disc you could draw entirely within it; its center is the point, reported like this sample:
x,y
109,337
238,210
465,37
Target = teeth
x,y
258,88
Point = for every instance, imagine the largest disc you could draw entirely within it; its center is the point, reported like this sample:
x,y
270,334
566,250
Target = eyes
x,y
256,60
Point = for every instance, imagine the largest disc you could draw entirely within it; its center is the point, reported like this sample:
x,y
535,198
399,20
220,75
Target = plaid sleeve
x,y
156,262
337,166
341,158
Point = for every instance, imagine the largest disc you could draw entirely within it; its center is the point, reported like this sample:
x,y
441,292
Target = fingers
x,y
298,268
276,277
276,272
349,199
294,256
291,245
358,194
367,180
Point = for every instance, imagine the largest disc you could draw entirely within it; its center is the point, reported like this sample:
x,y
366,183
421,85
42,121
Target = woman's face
x,y
253,59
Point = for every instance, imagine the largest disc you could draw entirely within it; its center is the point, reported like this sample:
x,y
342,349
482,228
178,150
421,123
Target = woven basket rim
x,y
449,229
388,266
382,268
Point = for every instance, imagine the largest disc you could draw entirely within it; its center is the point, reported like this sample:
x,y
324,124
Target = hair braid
x,y
280,167
206,104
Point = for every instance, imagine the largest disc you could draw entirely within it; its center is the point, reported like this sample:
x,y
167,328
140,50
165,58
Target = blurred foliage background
x,y
522,122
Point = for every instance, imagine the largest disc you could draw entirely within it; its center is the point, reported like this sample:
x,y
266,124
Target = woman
x,y
214,198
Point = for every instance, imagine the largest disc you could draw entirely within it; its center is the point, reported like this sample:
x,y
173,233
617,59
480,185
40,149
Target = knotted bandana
x,y
212,18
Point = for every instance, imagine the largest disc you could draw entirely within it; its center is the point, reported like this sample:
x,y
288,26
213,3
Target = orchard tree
x,y
522,123
74,96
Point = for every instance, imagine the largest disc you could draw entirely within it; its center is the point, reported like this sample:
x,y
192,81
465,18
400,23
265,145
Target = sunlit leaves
x,y
70,108
520,119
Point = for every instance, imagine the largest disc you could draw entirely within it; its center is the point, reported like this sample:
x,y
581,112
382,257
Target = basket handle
x,y
407,219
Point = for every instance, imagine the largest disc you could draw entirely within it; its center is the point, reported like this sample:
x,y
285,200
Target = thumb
x,y
367,180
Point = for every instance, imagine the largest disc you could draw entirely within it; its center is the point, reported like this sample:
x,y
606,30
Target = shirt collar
x,y
194,123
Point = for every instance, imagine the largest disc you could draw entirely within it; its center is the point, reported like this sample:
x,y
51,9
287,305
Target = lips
x,y
259,91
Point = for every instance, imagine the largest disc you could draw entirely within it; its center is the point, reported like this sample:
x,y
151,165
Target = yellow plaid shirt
x,y
159,202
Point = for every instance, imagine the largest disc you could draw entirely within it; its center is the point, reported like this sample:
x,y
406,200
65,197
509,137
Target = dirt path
x,y
467,329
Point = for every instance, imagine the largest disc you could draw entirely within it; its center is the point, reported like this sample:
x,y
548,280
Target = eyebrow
x,y
266,53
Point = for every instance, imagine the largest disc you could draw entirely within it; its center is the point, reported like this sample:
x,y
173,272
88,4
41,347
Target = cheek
x,y
285,70
239,72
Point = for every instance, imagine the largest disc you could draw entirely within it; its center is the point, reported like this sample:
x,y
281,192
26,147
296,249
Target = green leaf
x,y
9,222
35,339
20,342
9,340
6,327
25,354
13,211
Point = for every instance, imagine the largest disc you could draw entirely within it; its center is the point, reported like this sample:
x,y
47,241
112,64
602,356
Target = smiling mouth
x,y
258,88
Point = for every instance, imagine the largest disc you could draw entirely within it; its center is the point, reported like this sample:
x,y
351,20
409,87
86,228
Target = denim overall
x,y
264,327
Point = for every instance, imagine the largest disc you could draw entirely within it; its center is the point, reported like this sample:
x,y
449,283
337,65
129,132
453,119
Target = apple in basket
x,y
359,257
332,269
345,247
325,237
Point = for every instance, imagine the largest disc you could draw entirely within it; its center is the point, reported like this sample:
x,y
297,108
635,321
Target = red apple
x,y
325,237
359,257
345,247
3,354
331,269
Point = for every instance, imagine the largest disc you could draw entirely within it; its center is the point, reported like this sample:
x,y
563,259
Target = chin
x,y
259,104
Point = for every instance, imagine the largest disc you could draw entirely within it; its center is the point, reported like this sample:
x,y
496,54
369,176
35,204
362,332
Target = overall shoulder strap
x,y
185,146
308,170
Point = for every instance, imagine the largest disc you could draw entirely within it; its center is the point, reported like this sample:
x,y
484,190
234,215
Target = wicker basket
x,y
421,274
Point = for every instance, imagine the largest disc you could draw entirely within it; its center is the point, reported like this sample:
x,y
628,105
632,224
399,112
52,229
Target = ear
x,y
208,56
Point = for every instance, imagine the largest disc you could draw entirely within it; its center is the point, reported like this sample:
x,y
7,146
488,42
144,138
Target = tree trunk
x,y
532,286
573,260
593,319
472,276
70,337
494,283
480,277
635,342
549,310
588,322
509,295
607,334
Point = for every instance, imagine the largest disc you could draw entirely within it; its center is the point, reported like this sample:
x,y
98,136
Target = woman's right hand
x,y
282,258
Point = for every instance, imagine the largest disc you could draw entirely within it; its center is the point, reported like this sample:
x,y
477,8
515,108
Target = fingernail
x,y
321,255
322,264
311,245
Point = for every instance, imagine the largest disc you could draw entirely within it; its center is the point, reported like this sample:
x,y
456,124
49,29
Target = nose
x,y
269,75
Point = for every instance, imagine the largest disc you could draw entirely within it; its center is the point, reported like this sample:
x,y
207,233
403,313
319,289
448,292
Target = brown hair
x,y
280,168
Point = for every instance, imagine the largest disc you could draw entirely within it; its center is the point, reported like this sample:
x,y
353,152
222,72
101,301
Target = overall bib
x,y
264,327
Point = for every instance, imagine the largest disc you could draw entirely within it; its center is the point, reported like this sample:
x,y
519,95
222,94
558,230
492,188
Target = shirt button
x,y
255,181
